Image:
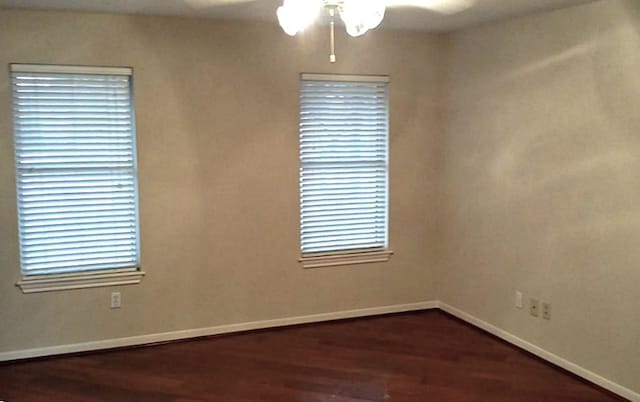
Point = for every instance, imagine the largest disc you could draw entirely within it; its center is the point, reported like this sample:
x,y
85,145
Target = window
x,y
76,179
343,169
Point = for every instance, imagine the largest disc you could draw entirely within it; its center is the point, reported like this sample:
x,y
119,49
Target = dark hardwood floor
x,y
413,357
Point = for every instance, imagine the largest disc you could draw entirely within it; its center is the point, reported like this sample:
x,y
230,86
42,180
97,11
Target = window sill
x,y
48,283
336,259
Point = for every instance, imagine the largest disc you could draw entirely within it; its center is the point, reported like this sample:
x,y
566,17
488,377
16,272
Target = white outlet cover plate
x,y
518,299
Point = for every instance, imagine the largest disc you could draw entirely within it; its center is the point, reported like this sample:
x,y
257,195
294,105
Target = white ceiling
x,y
264,10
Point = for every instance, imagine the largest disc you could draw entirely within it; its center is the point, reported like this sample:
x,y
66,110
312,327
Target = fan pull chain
x,y
332,56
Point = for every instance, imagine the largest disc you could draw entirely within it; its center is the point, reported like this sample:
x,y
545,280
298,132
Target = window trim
x,y
366,256
356,256
84,280
344,77
46,282
67,69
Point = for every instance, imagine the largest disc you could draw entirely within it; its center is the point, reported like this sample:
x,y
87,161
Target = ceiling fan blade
x,y
439,6
200,4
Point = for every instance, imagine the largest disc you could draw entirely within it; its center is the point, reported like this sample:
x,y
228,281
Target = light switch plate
x,y
518,299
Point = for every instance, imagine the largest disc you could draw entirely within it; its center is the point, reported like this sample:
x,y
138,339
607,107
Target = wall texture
x,y
217,115
542,181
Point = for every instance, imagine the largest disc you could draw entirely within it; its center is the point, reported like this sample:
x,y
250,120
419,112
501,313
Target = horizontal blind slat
x,y
77,207
74,241
81,268
75,214
332,223
43,248
80,265
60,254
69,229
72,223
86,233
346,247
79,256
341,230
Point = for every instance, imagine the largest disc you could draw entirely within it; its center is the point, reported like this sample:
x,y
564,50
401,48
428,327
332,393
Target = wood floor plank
x,y
409,357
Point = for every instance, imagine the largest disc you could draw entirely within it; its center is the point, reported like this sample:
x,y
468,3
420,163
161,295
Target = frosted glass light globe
x,y
295,15
361,15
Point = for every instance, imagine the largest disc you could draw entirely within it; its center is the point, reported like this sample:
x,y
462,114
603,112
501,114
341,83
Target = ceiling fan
x,y
358,16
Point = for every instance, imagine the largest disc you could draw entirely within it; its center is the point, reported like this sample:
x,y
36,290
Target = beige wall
x,y
542,181
217,115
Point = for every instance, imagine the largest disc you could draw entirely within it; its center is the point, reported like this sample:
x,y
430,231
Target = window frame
x,y
352,256
44,282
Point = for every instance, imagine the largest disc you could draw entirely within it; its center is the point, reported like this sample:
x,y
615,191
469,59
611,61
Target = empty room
x,y
319,200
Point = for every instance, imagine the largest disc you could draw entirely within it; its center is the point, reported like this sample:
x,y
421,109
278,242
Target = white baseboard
x,y
216,330
544,354
279,322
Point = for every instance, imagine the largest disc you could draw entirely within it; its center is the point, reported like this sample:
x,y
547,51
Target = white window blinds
x,y
343,163
76,168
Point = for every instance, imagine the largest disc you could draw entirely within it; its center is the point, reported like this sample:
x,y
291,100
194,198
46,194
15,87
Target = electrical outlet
x,y
518,299
116,300
534,307
546,310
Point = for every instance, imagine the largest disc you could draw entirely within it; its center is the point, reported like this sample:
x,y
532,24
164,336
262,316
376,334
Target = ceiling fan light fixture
x,y
287,23
361,15
358,15
295,15
356,30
